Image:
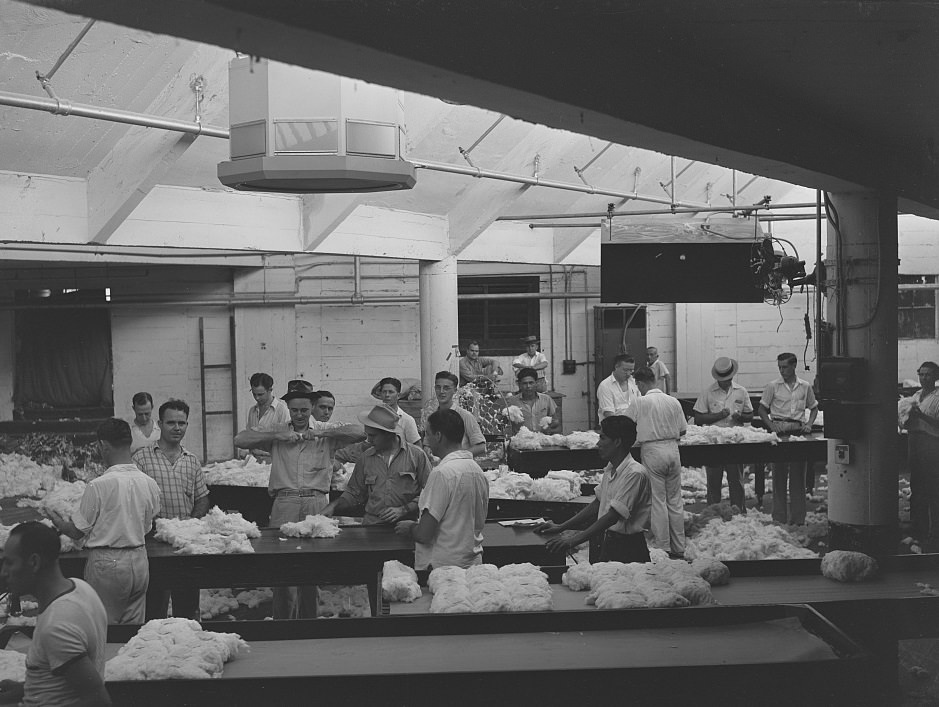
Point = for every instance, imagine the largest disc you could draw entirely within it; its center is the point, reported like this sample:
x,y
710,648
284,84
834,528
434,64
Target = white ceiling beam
x,y
567,240
479,207
142,157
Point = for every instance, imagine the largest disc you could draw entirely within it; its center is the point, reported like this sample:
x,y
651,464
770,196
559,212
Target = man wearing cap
x,y
534,359
725,404
473,366
389,475
782,409
535,406
301,469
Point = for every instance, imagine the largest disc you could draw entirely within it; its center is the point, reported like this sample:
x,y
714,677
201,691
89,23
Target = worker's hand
x,y
392,515
287,436
404,527
547,528
738,417
806,428
560,544
725,413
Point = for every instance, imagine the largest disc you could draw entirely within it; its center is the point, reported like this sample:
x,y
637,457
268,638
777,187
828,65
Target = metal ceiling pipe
x,y
538,182
65,107
335,300
659,212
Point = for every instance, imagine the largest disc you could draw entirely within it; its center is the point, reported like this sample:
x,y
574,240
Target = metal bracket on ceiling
x,y
45,80
197,86
580,170
482,137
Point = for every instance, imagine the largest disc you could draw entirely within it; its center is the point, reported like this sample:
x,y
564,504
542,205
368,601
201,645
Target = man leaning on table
x,y
782,409
724,403
622,509
301,469
388,476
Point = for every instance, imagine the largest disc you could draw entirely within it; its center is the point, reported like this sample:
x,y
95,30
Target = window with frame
x,y
916,309
498,324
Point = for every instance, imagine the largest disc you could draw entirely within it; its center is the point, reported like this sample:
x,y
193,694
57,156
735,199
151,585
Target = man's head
x,y
261,388
472,350
617,437
323,405
623,367
388,390
174,419
445,430
143,408
787,365
445,384
645,379
527,382
531,345
928,372
30,555
380,427
652,354
114,440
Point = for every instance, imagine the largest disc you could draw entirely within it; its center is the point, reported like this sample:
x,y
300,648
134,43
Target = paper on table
x,y
523,523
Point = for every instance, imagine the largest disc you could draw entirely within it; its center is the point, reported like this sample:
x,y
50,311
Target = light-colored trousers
x,y
296,602
120,577
668,517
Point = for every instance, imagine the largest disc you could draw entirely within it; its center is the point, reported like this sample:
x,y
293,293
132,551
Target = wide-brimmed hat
x,y
298,388
530,339
381,417
724,369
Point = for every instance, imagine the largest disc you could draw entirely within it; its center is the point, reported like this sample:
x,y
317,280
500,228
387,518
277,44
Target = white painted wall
x,y
919,255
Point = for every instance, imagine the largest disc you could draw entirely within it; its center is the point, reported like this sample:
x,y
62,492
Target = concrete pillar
x,y
862,494
439,319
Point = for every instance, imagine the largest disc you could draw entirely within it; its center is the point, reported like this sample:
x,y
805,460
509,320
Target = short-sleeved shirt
x,y
533,410
658,417
74,625
470,370
118,508
714,399
457,496
181,483
628,491
408,427
661,373
277,414
788,403
928,405
612,399
306,465
138,439
379,485
472,433
526,361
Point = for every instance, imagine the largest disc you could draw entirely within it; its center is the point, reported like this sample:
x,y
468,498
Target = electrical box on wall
x,y
841,378
568,367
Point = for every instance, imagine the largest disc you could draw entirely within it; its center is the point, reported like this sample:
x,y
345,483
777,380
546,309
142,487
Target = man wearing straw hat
x,y
724,404
388,477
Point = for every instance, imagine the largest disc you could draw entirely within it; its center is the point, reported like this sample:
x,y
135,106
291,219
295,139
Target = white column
x,y
862,495
439,319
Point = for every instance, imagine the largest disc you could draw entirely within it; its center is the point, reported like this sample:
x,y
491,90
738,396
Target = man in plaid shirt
x,y
183,494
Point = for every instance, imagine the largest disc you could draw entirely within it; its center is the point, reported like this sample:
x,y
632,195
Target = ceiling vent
x,y
300,131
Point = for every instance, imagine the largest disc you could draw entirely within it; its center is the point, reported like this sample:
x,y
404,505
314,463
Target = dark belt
x,y
302,493
111,547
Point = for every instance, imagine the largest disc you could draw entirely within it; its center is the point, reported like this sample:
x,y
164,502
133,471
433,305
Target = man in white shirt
x,y
662,376
389,390
114,515
782,409
535,360
453,504
614,394
660,422
445,384
269,413
724,403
